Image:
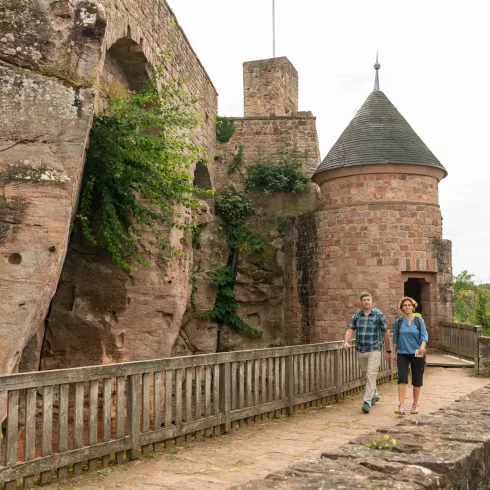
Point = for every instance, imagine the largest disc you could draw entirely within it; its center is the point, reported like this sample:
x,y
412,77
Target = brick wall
x,y
374,232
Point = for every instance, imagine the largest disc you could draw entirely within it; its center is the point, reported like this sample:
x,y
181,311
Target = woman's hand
x,y
422,350
394,356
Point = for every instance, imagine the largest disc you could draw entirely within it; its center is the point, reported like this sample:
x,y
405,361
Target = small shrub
x,y
281,171
234,207
225,128
385,444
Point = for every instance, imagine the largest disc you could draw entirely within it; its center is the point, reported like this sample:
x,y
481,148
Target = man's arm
x,y
348,336
386,336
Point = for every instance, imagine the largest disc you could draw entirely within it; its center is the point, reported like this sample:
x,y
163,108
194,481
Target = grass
x,y
480,374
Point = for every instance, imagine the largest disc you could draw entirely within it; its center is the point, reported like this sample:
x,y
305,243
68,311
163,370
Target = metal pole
x,y
273,28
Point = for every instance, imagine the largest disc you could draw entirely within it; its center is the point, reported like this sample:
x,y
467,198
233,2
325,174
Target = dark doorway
x,y
413,288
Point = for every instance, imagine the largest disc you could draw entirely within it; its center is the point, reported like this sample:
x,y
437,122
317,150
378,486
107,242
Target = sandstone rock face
x,y
45,118
210,252
43,133
449,449
101,314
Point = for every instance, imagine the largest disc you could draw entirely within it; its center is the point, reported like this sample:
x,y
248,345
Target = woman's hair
x,y
407,298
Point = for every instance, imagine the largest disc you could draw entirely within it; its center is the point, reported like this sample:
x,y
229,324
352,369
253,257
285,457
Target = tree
x,y
464,297
481,314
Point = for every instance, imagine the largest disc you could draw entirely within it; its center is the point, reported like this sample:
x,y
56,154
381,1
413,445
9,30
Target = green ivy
x,y
233,208
281,171
224,310
137,169
281,224
237,160
225,128
196,234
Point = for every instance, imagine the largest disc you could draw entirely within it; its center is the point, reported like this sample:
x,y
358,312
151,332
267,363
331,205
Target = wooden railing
x,y
461,339
74,419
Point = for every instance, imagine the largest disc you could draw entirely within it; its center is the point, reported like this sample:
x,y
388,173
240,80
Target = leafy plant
x,y
225,128
482,315
279,172
471,301
234,206
237,160
196,234
224,310
385,444
137,169
281,224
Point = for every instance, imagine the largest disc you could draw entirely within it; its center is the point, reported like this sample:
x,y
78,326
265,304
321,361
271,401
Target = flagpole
x,y
273,28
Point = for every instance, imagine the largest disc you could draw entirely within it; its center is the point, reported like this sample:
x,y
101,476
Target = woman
x,y
409,345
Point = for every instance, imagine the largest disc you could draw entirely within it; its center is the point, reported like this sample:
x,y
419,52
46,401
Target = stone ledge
x,y
448,449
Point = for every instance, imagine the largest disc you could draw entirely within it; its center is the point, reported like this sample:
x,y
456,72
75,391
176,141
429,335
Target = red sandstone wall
x,y
270,87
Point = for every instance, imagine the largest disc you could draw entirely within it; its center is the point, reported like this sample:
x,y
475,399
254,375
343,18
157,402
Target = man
x,y
370,326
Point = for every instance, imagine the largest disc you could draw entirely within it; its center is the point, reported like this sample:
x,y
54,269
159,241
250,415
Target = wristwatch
x,y
388,352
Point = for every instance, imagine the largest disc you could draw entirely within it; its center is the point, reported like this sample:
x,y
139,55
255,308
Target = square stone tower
x,y
270,88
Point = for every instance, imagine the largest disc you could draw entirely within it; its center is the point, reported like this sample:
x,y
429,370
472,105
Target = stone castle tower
x,y
380,226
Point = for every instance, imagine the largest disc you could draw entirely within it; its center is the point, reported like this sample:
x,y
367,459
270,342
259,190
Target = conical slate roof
x,y
378,133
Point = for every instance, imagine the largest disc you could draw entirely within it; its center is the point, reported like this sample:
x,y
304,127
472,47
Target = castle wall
x,y
44,125
375,231
265,287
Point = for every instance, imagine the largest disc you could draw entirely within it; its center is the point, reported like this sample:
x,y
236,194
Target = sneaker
x,y
366,408
375,399
415,409
400,410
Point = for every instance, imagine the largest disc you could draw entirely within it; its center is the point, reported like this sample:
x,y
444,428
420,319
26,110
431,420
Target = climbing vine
x,y
237,160
281,171
225,128
137,169
224,310
233,208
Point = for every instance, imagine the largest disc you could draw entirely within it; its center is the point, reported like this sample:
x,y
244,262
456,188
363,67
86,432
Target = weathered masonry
x,y
380,224
370,219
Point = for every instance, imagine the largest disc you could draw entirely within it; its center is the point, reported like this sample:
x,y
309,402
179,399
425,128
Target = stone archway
x,y
202,179
421,287
126,61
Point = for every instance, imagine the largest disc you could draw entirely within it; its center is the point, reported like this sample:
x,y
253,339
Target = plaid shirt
x,y
369,330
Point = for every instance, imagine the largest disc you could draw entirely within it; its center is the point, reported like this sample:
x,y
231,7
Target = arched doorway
x,y
202,179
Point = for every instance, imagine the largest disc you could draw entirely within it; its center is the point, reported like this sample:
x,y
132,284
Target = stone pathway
x,y
253,452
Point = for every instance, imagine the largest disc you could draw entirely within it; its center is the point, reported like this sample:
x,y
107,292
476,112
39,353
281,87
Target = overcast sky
x,y
434,57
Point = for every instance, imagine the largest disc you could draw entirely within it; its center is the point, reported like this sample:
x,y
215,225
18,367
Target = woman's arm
x,y
424,336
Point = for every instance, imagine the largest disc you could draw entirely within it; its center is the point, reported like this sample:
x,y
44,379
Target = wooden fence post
x,y
225,395
478,334
337,373
290,384
133,415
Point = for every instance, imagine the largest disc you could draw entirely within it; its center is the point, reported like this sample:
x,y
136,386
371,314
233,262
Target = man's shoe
x,y
375,399
366,408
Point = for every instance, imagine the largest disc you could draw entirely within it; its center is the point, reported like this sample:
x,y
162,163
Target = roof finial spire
x,y
377,66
